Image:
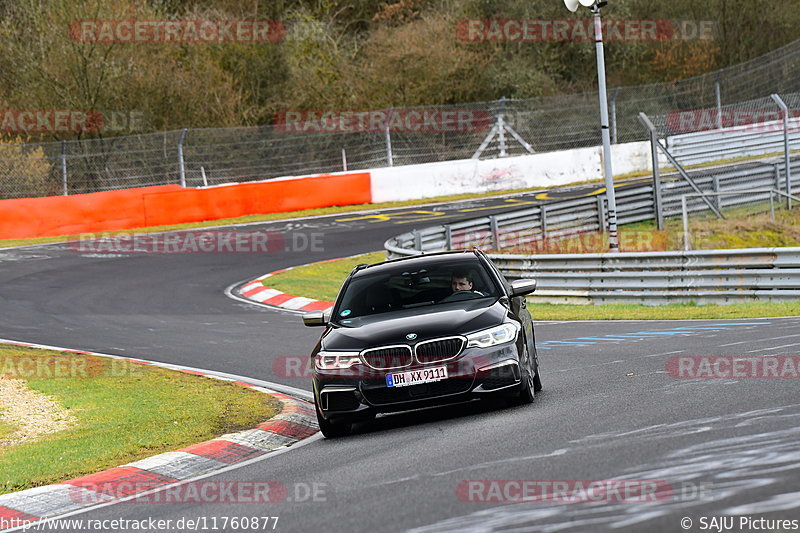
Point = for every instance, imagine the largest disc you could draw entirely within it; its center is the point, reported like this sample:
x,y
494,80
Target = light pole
x,y
595,5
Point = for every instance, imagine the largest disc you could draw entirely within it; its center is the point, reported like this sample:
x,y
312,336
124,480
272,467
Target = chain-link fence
x,y
312,144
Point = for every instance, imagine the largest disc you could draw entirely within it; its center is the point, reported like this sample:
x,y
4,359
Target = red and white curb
x,y
256,291
296,421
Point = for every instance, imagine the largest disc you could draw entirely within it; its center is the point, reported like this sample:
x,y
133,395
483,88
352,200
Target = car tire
x,y
332,430
526,392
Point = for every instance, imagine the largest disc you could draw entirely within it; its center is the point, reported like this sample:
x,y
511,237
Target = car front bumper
x,y
360,391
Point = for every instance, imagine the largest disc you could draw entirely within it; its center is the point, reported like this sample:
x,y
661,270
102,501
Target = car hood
x,y
443,320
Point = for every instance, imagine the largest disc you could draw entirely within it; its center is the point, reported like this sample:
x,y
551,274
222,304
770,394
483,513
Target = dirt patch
x,y
32,414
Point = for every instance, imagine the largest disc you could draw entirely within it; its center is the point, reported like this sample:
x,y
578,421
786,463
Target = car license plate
x,y
416,377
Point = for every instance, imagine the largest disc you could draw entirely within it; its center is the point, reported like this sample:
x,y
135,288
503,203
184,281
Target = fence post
x,y
787,161
657,203
388,135
601,213
417,240
718,95
448,237
772,205
715,188
614,116
64,167
501,127
495,232
543,220
181,166
344,160
685,216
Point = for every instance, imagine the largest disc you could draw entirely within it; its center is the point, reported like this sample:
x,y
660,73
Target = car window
x,y
406,288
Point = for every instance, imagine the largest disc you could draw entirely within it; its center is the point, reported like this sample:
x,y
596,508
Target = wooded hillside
x,y
347,55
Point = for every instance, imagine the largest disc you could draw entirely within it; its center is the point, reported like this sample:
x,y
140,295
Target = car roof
x,y
418,261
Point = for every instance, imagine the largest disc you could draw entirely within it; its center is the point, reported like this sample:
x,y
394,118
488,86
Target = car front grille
x,y
387,357
437,350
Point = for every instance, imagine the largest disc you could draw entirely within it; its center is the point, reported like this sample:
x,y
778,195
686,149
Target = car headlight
x,y
336,360
493,336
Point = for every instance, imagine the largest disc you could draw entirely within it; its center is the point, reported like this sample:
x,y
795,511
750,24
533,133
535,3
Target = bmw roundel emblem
x,y
411,336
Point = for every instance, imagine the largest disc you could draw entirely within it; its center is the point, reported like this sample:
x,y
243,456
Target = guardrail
x,y
711,276
567,217
654,278
716,276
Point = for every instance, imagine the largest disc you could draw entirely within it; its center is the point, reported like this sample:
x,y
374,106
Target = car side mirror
x,y
316,318
521,287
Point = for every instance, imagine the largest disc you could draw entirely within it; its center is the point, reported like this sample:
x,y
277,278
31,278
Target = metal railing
x,y
716,276
635,203
653,278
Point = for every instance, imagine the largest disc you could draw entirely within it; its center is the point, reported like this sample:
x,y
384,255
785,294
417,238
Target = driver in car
x,y
462,281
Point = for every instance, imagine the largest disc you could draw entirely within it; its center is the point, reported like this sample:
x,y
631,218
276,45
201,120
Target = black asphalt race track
x,y
609,410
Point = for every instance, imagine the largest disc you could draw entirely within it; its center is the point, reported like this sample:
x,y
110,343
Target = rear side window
x,y
406,288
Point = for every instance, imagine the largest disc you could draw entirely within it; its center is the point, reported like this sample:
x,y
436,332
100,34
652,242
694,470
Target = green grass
x,y
125,412
743,227
6,429
322,281
661,312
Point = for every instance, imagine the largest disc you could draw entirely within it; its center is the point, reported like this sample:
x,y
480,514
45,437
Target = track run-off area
x,y
611,409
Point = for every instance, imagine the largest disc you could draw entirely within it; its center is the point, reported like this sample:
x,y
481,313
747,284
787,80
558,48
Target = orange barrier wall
x,y
175,207
170,204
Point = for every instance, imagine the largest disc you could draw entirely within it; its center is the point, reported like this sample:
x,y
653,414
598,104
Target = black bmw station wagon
x,y
422,331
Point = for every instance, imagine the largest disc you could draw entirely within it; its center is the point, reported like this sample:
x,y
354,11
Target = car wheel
x,y
525,394
537,380
332,430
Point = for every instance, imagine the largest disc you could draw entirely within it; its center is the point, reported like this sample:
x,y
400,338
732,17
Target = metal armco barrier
x,y
654,278
713,276
716,276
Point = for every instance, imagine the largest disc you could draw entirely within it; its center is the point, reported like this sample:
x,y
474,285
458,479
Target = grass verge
x,y
322,281
662,312
125,411
6,429
744,227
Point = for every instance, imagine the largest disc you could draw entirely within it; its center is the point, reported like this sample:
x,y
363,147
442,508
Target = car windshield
x,y
421,286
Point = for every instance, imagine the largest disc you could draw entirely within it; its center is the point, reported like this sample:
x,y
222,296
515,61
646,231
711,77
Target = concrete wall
x,y
519,172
